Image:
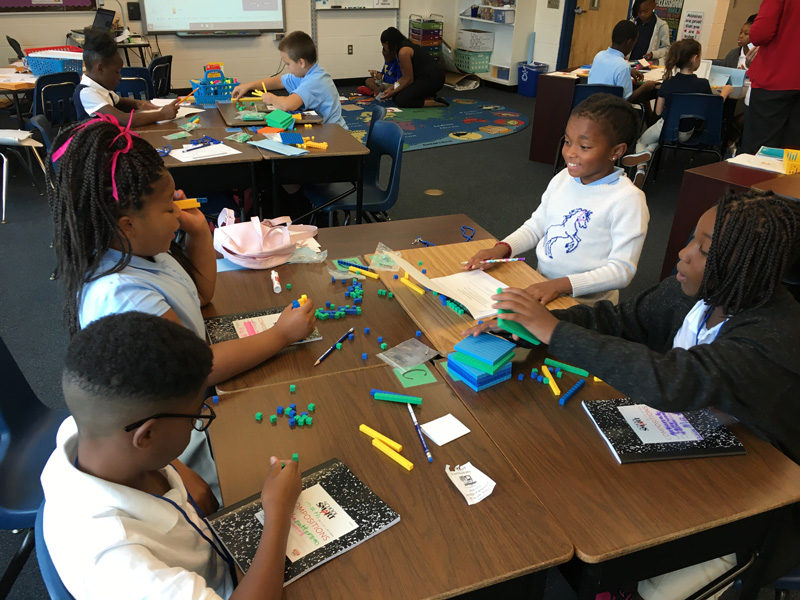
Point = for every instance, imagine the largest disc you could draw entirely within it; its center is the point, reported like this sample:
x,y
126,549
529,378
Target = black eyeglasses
x,y
200,423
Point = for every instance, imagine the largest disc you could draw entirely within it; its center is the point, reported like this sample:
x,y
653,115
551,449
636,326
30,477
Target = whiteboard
x,y
209,16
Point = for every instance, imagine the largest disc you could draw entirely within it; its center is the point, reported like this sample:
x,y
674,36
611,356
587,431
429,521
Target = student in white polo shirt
x,y
95,93
119,520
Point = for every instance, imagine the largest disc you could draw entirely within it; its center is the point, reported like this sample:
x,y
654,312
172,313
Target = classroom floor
x,y
30,303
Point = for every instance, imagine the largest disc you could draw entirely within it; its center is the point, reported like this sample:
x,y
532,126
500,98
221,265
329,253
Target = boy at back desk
x,y
95,93
118,520
310,86
611,67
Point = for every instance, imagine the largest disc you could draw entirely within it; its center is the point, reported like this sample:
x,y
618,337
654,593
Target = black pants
x,y
414,95
773,119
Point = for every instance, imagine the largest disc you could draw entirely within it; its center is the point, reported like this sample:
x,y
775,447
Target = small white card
x,y
444,429
658,427
473,483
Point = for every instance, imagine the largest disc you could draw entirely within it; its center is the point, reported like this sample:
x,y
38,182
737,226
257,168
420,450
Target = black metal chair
x,y
53,97
161,75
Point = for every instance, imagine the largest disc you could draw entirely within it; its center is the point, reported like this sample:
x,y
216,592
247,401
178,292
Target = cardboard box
x,y
475,40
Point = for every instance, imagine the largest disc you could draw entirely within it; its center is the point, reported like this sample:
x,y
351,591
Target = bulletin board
x,y
670,11
36,6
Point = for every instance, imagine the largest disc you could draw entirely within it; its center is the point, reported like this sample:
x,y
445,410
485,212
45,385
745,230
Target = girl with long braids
x,y
722,333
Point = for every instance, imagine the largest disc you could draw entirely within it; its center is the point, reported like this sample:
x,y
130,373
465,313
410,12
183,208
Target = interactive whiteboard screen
x,y
208,16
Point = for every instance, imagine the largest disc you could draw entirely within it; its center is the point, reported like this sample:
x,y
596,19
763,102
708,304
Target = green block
x,y
273,419
569,368
288,286
559,374
482,366
391,295
259,416
435,293
291,388
309,420
420,263
311,407
397,398
384,346
300,420
295,457
338,346
545,381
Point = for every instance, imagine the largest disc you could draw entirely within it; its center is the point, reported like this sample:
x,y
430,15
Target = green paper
x,y
419,375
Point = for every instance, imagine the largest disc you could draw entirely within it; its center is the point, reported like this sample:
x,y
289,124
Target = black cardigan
x,y
751,371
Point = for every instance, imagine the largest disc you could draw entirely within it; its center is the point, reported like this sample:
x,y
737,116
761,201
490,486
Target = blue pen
x,y
419,433
332,348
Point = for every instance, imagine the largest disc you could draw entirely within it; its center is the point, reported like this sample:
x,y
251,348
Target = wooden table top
x,y
250,290
441,546
442,325
607,509
340,143
788,185
209,118
248,153
229,114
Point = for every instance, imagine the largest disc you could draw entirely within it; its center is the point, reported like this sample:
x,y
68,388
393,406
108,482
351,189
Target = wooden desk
x,y
229,113
138,46
788,185
701,188
441,546
209,119
244,291
248,153
342,161
610,511
16,85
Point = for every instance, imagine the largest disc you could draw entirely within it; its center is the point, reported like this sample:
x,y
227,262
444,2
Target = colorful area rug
x,y
463,121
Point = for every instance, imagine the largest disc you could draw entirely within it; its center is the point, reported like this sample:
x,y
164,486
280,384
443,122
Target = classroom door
x,y
594,21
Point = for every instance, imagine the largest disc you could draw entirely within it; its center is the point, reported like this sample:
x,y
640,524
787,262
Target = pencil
x,y
185,98
497,260
332,348
419,433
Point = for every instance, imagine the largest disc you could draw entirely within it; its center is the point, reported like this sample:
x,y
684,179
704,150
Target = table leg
x,y
256,194
359,189
16,93
127,58
141,55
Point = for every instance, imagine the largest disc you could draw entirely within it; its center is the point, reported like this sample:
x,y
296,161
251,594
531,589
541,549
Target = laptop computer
x,y
104,19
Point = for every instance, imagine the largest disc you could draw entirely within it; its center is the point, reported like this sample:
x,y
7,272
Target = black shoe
x,y
441,100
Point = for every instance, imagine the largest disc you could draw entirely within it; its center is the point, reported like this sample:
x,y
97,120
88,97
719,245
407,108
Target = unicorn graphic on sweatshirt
x,y
576,219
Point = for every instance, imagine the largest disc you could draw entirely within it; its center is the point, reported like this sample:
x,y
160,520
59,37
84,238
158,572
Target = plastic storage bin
x,y
44,66
791,161
529,78
472,62
213,86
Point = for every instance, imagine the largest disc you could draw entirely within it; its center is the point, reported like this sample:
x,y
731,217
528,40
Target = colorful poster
x,y
692,25
670,11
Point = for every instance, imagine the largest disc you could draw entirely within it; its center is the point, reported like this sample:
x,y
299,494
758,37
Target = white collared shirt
x,y
112,541
94,96
693,332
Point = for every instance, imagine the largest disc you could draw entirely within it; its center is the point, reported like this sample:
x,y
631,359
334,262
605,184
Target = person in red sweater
x,y
773,118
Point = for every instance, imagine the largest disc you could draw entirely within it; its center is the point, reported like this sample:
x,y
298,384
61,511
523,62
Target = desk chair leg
x,y
5,179
359,190
17,562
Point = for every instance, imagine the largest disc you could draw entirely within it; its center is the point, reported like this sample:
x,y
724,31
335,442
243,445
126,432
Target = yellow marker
x,y
187,203
363,272
552,380
379,436
400,460
264,87
414,287
598,380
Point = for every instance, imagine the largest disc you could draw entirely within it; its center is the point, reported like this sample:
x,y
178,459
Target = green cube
x,y
338,345
259,416
391,295
273,419
311,407
295,457
420,263
309,420
384,346
291,389
288,286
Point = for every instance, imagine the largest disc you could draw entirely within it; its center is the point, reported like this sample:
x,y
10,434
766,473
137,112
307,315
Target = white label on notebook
x,y
254,325
657,427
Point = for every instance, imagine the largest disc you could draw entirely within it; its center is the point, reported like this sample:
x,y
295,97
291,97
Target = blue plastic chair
x,y
706,110
52,580
582,92
27,438
378,114
135,83
52,97
386,139
161,75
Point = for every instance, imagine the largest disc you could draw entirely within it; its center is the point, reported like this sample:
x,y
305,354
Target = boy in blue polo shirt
x,y
310,86
610,67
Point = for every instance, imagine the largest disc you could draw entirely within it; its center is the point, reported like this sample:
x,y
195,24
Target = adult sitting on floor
x,y
421,77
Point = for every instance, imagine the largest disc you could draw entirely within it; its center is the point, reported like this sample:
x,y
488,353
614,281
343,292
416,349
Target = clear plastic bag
x,y
407,355
382,259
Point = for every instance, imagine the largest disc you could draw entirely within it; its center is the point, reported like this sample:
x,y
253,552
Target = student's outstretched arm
x,y
237,356
264,579
271,83
165,113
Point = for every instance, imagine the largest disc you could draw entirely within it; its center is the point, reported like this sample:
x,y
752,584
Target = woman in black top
x,y
421,77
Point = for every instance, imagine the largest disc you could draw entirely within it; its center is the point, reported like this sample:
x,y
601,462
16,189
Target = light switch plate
x,y
553,3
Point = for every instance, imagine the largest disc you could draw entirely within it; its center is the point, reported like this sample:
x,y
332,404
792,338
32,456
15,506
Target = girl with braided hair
x,y
722,333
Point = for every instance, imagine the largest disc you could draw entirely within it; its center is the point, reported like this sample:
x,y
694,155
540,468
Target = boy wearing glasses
x,y
118,519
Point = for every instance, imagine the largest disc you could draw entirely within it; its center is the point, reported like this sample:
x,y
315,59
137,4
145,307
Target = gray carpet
x,y
491,181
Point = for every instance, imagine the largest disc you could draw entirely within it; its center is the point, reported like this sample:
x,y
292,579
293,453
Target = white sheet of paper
x,y
658,427
765,163
213,151
444,429
183,110
317,520
474,484
654,74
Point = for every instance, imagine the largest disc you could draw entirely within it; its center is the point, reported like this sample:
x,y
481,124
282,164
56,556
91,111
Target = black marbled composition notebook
x,y
223,328
638,433
334,513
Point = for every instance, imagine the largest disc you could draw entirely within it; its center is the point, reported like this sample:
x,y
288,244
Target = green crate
x,y
472,62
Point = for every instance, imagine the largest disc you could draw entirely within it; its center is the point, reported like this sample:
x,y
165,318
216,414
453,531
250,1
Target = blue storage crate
x,y
212,87
44,66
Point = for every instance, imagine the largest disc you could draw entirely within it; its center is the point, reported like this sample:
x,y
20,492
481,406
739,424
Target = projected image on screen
x,y
170,16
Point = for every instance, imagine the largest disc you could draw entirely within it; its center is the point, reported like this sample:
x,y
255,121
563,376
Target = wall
x,y
249,58
714,15
737,15
547,25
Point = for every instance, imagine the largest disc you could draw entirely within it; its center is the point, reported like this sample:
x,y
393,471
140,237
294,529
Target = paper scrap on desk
x,y
444,429
765,163
213,151
658,427
304,540
473,484
352,107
